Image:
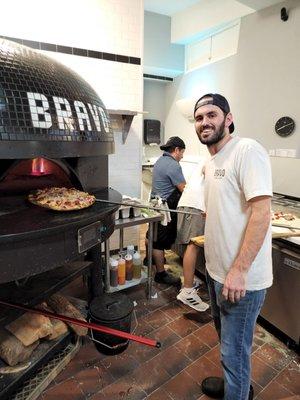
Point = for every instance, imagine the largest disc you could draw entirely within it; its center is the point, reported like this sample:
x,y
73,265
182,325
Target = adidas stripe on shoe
x,y
192,299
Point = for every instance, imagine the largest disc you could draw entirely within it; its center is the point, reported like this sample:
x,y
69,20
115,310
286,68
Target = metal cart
x,y
121,224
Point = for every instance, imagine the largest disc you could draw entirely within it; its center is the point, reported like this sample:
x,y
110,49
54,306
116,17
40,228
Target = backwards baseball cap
x,y
173,141
216,100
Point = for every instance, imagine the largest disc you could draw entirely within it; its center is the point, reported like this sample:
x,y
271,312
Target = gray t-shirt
x,y
167,174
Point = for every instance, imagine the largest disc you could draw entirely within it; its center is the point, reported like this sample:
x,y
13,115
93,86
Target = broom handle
x,y
90,325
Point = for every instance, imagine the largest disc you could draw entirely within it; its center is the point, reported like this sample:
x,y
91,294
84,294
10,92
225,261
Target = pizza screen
x,y
61,198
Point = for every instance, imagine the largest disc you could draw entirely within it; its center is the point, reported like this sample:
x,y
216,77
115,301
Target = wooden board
x,y
276,234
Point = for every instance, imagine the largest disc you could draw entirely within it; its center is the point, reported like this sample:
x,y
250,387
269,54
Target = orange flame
x,y
38,166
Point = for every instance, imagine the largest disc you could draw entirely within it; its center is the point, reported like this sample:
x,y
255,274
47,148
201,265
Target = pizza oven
x,y
54,131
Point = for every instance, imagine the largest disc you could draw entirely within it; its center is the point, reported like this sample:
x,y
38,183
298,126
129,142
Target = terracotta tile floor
x,y
189,353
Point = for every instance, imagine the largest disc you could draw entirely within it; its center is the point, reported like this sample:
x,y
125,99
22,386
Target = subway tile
x,y
123,59
48,46
135,60
31,43
64,49
80,52
95,54
109,56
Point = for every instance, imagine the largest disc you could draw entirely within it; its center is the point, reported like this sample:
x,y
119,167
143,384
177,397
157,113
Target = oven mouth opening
x,y
24,176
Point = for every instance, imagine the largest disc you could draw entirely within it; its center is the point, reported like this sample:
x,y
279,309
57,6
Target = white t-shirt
x,y
239,172
193,193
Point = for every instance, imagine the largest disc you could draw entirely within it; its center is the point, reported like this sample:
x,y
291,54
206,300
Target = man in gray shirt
x,y
168,182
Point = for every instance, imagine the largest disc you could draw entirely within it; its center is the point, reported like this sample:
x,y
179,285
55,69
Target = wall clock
x,y
285,126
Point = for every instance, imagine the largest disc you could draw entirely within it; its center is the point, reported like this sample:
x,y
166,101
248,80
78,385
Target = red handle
x,y
90,325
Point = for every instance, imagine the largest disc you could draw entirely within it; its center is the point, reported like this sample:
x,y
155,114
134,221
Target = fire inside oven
x,y
37,173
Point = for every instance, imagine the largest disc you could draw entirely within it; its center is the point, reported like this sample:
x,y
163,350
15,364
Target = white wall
x,y
262,84
155,105
113,26
161,56
205,17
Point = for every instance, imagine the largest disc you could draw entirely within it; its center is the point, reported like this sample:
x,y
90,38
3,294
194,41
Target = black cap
x,y
173,141
216,100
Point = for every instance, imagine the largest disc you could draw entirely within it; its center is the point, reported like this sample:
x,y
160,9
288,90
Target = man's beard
x,y
215,137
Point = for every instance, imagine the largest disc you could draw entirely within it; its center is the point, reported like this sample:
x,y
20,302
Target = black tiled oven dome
x,y
46,109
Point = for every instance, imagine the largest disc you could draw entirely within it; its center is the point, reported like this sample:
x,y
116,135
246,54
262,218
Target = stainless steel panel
x,y
281,307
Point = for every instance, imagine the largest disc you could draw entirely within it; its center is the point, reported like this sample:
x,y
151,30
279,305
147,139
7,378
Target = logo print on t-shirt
x,y
219,173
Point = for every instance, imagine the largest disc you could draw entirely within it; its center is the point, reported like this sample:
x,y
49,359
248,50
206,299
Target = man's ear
x,y
228,120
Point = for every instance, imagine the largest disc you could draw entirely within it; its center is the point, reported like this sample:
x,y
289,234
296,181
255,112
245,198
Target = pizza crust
x,y
61,199
285,219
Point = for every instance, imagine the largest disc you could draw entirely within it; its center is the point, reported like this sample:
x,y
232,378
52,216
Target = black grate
x,y
42,100
33,387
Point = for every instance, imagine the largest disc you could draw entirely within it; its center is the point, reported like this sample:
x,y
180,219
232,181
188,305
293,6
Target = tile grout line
x,y
295,394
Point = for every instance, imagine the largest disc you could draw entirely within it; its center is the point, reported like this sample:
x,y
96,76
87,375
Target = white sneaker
x,y
192,299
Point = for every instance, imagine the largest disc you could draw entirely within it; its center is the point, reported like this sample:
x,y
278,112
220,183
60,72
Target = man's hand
x,y
234,285
258,224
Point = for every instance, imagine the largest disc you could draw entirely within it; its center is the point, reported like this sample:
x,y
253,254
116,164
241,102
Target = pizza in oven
x,y
61,198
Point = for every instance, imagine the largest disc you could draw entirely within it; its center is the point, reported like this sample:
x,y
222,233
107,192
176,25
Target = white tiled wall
x,y
120,87
112,26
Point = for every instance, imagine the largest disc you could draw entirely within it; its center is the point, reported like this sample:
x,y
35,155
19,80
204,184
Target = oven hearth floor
x,y
189,353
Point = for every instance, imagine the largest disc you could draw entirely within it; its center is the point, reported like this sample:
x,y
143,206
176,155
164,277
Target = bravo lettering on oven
x,y
70,116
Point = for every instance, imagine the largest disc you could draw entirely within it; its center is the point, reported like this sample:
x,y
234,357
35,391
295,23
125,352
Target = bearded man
x,y
238,191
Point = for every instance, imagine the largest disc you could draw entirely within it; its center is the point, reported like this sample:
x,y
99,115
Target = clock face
x,y
285,126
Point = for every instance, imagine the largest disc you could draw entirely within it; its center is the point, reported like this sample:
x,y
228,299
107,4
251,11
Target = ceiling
x,y
170,7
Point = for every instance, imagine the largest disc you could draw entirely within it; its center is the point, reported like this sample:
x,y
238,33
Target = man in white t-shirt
x,y
238,191
190,225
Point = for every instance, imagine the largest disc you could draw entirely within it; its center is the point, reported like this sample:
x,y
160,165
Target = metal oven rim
x,y
42,222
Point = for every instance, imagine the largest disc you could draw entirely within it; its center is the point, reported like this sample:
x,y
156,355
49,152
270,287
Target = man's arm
x,y
259,221
180,186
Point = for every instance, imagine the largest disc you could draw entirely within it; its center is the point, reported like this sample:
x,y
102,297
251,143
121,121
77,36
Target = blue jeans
x,y
235,324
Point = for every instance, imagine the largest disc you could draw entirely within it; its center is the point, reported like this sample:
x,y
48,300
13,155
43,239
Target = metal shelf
x,y
9,383
121,121
38,288
133,282
121,224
